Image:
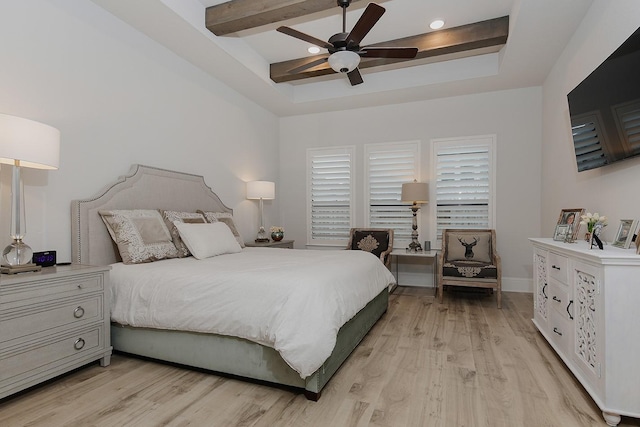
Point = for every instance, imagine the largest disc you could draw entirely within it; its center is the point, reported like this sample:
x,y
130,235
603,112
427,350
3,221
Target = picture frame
x,y
571,217
625,233
637,244
561,232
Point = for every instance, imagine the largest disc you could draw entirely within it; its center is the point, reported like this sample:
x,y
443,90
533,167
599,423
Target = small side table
x,y
423,255
282,244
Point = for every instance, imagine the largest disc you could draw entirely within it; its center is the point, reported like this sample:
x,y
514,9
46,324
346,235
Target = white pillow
x,y
208,240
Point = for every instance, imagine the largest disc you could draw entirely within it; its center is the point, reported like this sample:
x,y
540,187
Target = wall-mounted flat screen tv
x,y
605,109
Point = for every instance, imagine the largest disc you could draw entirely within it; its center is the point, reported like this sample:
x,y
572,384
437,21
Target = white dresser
x,y
587,305
51,322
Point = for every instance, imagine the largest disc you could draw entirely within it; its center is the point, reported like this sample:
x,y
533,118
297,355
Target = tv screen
x,y
605,109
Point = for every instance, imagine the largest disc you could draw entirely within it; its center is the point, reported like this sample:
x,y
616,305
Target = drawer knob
x,y
79,344
78,312
557,331
555,298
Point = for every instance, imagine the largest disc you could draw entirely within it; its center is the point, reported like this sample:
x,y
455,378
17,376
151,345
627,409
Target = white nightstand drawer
x,y
558,267
43,354
560,330
49,287
43,318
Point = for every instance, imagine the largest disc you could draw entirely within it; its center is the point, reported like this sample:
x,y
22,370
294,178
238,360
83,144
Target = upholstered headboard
x,y
145,187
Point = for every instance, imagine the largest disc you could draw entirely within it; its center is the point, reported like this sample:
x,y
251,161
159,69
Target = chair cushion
x,y
375,242
469,246
470,270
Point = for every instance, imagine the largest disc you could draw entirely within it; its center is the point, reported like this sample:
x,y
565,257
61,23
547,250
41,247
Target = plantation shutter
x,y
388,167
464,184
330,195
587,136
628,119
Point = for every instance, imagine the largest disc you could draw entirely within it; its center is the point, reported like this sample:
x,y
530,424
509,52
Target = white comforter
x,y
292,300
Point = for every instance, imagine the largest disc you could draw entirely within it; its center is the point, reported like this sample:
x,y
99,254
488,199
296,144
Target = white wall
x,y
611,190
118,98
514,116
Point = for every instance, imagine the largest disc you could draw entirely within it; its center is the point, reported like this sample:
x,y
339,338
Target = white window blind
x,y
464,183
627,117
587,137
330,195
388,167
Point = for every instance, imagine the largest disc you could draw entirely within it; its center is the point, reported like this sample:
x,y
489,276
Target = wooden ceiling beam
x,y
466,40
238,15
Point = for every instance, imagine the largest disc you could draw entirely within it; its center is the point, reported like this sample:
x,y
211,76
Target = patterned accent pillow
x,y
375,242
140,234
469,246
227,218
171,217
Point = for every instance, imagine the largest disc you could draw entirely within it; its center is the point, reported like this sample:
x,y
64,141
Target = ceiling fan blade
x,y
371,15
304,37
308,65
388,52
355,78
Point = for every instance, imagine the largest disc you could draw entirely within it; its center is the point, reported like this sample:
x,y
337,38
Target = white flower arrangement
x,y
591,220
277,229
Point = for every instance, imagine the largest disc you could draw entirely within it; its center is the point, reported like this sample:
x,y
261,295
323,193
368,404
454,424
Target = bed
x,y
153,188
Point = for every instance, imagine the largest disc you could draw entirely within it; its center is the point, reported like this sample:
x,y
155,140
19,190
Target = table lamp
x,y
416,193
30,144
261,190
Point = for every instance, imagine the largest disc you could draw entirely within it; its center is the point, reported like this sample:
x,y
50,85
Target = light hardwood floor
x,y
462,363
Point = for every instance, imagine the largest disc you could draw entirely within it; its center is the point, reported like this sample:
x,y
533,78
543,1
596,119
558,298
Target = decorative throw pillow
x,y
140,234
469,246
227,218
208,240
170,217
375,242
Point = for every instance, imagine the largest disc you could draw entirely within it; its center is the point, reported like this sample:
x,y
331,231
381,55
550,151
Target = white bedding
x,y
292,300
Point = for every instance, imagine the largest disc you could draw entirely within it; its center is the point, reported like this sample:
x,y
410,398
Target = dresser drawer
x,y
47,288
44,318
560,331
32,359
559,299
558,267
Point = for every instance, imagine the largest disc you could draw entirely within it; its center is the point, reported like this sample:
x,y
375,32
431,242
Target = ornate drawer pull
x,y
568,312
79,344
557,331
555,298
78,312
555,267
543,292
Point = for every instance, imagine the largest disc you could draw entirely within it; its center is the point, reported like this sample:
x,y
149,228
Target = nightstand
x,y
283,244
51,322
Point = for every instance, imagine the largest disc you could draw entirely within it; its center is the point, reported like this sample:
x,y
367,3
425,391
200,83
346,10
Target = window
x,y
588,140
330,192
464,180
388,167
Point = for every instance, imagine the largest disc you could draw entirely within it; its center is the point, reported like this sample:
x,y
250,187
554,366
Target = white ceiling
x,y
539,31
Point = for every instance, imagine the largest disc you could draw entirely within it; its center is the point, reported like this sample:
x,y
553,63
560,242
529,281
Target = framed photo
x,y
561,231
637,244
624,235
571,217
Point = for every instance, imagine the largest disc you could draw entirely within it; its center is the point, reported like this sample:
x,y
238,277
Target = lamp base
x,y
414,247
13,269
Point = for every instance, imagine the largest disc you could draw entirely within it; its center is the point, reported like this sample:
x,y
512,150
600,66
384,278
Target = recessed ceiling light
x,y
437,24
314,49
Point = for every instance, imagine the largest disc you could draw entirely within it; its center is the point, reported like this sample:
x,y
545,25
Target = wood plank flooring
x,y
462,363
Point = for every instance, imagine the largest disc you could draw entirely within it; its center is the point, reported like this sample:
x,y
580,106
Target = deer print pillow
x,y
469,246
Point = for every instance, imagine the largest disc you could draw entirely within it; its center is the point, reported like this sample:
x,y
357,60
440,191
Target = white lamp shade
x,y
415,192
344,61
261,190
34,144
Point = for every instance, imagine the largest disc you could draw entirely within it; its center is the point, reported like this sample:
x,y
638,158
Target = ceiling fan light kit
x,y
344,48
344,61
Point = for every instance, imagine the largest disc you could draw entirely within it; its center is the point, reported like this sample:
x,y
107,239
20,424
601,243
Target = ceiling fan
x,y
344,48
